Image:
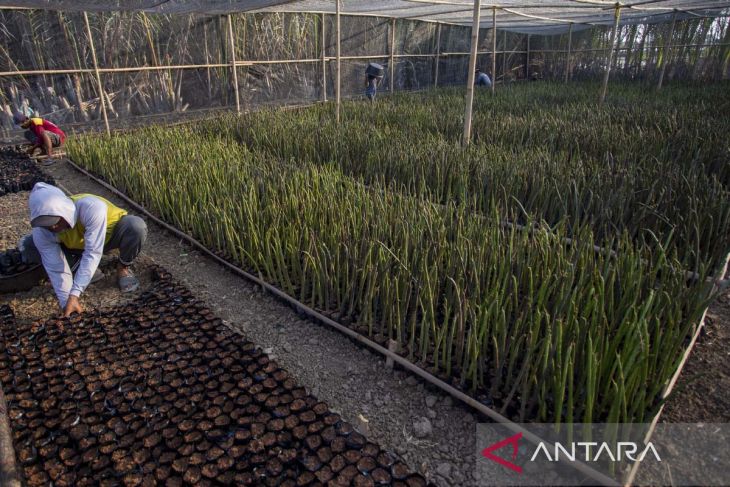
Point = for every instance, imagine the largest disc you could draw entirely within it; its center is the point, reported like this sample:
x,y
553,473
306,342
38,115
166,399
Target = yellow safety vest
x,y
73,238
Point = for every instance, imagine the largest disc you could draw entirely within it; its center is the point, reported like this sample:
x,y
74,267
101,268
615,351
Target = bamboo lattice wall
x,y
177,64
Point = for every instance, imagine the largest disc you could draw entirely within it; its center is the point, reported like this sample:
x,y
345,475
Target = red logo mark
x,y
513,440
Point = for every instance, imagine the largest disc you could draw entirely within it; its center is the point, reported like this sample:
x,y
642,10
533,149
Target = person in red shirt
x,y
41,133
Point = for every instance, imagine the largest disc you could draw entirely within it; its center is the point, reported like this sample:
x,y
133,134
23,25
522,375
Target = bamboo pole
x,y
494,48
392,54
667,51
504,59
207,61
324,60
233,63
438,54
567,58
98,75
470,78
617,15
527,59
339,76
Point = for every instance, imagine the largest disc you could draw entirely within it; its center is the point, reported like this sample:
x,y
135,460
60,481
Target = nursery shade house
x,y
544,249
142,58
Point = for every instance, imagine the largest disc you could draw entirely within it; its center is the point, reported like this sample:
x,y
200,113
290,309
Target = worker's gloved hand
x,y
72,306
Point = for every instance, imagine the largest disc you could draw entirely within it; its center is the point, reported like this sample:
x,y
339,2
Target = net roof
x,y
524,16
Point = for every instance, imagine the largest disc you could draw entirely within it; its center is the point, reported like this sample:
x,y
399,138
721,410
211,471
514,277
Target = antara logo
x,y
591,452
594,451
512,440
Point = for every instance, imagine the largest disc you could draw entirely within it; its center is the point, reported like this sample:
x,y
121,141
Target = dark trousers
x,y
128,236
33,138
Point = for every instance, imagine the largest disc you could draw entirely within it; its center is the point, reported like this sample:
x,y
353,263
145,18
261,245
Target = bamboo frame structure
x,y
609,57
392,55
667,52
233,64
470,78
98,75
159,66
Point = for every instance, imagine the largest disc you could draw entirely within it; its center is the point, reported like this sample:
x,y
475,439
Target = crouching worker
x,y
71,233
41,133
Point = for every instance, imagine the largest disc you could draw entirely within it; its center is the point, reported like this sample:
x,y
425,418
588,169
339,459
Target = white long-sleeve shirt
x,y
89,212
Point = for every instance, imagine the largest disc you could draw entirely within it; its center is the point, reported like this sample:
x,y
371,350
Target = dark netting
x,y
361,36
280,83
414,73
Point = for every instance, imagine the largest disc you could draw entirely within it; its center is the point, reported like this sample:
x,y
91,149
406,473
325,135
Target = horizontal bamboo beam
x,y
133,69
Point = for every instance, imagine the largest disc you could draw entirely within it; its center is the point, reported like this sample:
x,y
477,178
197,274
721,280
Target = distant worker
x,y
81,228
373,75
41,133
482,79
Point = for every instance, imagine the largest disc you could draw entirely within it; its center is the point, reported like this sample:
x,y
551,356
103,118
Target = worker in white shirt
x,y
65,226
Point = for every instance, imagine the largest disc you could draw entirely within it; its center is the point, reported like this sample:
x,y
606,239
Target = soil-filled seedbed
x,y
18,172
160,392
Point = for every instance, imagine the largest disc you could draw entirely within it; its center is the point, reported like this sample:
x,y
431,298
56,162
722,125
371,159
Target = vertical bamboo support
x,y
324,60
667,51
504,58
98,75
527,59
617,15
438,54
231,37
207,61
339,77
494,48
567,57
470,78
392,54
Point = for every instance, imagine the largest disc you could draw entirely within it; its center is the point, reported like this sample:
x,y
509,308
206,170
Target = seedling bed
x,y
161,392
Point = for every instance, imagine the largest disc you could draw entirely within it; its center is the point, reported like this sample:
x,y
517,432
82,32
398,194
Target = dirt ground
x,y
701,394
433,433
